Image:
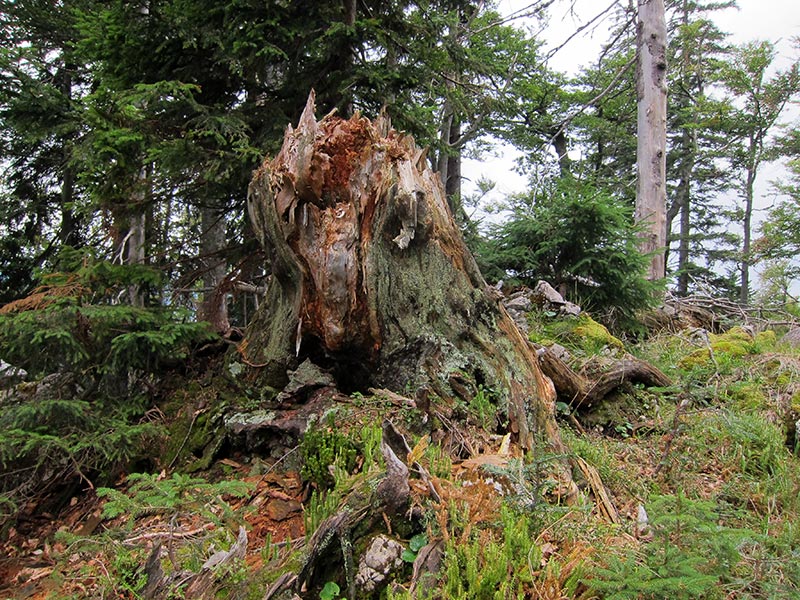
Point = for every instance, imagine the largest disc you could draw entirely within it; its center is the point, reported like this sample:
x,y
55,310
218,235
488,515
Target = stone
x,y
569,309
546,292
792,337
519,303
304,380
377,563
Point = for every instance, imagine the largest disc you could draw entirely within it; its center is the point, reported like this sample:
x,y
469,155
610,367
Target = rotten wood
x,y
372,281
580,392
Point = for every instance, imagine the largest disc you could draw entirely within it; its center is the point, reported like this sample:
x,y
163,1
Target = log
x,y
372,280
580,392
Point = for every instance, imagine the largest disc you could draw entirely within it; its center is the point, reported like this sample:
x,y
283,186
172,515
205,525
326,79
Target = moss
x,y
746,396
735,343
196,429
766,339
794,403
582,334
595,334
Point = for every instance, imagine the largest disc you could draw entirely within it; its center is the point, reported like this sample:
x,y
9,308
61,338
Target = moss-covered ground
x,y
704,474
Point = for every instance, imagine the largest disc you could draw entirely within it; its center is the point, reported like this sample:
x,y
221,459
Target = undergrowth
x,y
703,473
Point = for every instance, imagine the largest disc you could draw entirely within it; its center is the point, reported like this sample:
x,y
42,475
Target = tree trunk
x,y
214,307
651,89
687,163
752,169
69,234
372,280
560,146
581,392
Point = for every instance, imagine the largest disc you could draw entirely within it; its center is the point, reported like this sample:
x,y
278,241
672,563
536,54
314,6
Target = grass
x,y
717,479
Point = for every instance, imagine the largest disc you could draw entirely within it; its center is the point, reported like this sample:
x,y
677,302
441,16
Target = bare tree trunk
x,y
651,88
452,186
560,146
372,280
752,169
214,307
69,233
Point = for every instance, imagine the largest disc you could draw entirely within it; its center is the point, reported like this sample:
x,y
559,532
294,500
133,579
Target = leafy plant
x,y
174,496
415,544
324,446
93,364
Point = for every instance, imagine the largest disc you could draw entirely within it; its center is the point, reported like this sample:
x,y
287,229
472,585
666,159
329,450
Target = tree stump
x,y
371,279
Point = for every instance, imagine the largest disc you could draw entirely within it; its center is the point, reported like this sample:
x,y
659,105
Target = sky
x,y
775,20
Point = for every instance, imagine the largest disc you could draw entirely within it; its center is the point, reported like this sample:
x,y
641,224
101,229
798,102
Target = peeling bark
x,y
372,280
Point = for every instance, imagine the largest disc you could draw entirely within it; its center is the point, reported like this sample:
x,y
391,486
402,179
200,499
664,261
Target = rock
x,y
570,309
521,302
9,374
545,293
560,352
792,337
304,380
381,558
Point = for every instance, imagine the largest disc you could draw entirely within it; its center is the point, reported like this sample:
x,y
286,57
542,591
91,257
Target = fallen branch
x,y
580,392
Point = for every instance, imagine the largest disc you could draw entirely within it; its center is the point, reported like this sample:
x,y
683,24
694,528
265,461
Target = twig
x,y
671,435
185,439
161,534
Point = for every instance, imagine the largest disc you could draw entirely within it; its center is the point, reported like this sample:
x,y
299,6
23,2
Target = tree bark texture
x,y
372,280
214,307
651,89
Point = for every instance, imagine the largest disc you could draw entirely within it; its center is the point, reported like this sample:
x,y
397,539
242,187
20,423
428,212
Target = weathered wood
x,y
581,392
372,280
651,132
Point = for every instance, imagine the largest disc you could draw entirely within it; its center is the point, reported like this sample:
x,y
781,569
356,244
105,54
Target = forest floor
x,y
703,474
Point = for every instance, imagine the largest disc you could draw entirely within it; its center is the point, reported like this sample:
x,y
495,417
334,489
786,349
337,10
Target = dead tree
x,y
371,279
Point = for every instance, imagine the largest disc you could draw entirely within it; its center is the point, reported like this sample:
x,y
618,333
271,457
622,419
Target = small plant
x,y
415,544
321,505
324,446
173,497
691,556
484,409
330,591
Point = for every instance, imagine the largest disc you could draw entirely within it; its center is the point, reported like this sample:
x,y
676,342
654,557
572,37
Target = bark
x,y
560,146
581,392
686,168
69,233
651,88
372,280
129,231
214,307
749,187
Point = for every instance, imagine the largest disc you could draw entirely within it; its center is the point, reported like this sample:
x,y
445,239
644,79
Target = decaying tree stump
x,y
372,280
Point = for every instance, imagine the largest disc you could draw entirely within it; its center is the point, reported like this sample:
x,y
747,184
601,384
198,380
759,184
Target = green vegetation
x,y
577,238
95,365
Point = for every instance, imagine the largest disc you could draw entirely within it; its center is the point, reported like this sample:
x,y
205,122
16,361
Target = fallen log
x,y
581,392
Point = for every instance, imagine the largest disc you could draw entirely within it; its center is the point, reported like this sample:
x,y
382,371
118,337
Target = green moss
x,y
595,334
746,396
766,339
735,343
582,334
